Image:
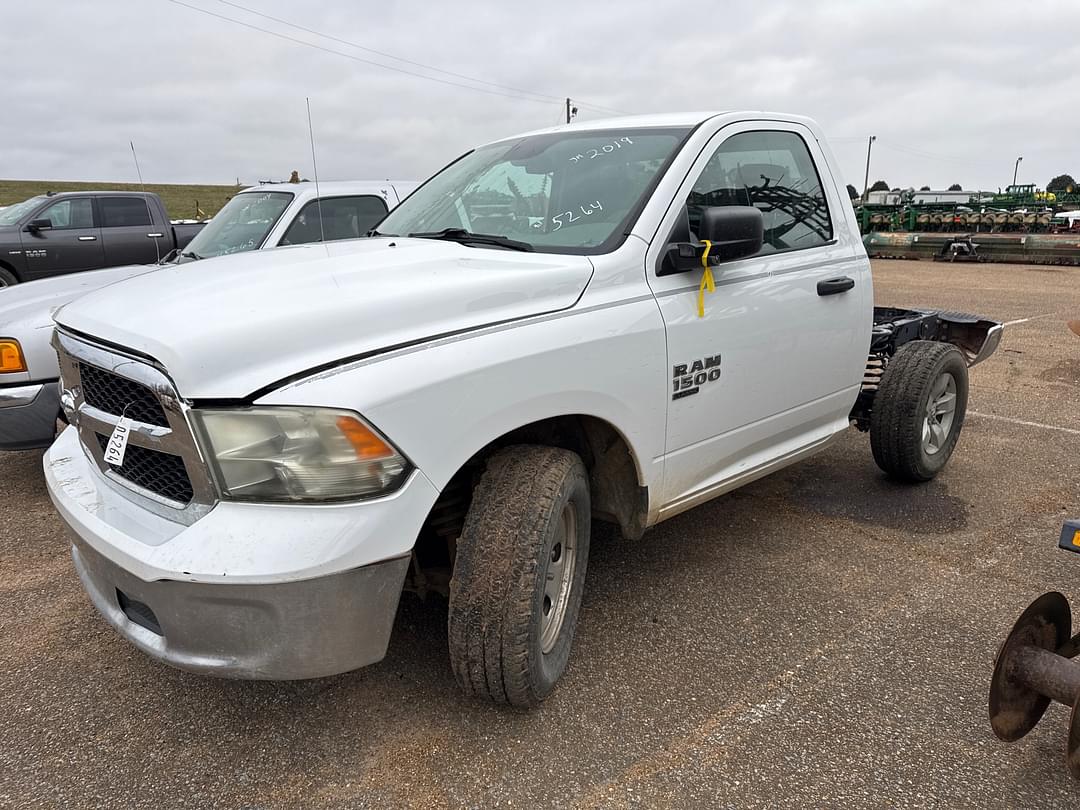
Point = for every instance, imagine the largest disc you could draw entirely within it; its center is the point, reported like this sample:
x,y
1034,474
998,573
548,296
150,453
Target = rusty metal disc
x,y
1072,752
1014,708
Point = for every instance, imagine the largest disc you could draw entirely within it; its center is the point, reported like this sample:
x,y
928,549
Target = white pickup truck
x,y
615,320
257,218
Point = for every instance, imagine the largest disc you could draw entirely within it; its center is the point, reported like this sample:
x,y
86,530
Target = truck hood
x,y
31,305
225,331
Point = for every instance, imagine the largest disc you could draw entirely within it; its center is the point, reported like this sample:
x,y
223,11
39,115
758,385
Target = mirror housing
x,y
736,231
36,225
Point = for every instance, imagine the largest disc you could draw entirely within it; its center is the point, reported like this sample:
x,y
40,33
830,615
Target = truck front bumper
x,y
282,631
249,590
28,415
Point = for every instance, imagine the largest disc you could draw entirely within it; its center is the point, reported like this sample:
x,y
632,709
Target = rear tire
x,y
7,278
519,575
919,410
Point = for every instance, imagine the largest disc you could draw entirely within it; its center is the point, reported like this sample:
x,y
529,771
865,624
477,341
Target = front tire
x,y
7,278
919,410
519,575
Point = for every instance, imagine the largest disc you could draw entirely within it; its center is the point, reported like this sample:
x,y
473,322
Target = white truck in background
x,y
257,218
614,320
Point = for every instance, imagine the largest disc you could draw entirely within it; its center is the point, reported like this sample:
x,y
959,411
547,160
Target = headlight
x,y
298,454
11,356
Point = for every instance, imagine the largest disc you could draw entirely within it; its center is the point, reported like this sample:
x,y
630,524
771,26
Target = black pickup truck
x,y
66,232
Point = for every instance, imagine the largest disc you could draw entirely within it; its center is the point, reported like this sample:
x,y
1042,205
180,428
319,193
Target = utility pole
x,y
1016,167
866,180
570,112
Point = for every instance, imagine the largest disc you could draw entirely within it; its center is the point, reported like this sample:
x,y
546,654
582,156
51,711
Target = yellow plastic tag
x,y
707,282
1076,539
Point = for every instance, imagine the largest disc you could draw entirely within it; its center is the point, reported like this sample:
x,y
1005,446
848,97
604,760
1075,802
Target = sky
x,y
954,92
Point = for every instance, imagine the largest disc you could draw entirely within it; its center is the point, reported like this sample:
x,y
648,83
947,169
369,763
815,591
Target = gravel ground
x,y
821,638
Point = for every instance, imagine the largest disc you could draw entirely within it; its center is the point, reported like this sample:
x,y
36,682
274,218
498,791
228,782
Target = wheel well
x,y
11,269
617,494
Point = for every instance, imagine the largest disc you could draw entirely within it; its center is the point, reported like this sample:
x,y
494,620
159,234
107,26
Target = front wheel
x,y
519,574
7,278
919,410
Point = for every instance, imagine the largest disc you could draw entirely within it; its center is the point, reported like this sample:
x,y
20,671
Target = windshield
x,y
240,226
563,192
13,213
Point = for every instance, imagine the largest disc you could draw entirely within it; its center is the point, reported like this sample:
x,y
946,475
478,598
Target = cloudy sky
x,y
953,91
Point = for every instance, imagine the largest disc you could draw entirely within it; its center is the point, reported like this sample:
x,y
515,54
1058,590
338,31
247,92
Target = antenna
x,y
315,169
146,200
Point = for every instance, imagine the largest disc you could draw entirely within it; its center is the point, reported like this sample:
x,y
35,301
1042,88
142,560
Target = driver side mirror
x,y
39,225
736,231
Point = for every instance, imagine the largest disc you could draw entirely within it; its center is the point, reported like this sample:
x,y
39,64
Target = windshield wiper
x,y
468,237
188,254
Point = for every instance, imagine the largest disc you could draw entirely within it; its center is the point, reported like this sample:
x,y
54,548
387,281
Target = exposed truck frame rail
x,y
976,337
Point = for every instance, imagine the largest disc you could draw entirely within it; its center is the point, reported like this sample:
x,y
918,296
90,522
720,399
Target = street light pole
x,y
1016,167
866,180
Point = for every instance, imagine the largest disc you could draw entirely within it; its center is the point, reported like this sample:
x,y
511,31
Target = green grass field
x,y
179,200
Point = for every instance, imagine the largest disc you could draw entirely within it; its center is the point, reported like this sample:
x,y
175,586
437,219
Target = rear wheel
x,y
919,410
519,575
7,278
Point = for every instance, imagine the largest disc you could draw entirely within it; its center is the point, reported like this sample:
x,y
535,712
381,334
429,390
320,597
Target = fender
x,y
444,403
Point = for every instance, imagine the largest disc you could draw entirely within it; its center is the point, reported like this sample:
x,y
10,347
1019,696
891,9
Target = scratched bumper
x,y
281,631
260,591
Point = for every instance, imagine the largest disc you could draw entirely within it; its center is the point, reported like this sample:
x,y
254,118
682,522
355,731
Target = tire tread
x,y
491,590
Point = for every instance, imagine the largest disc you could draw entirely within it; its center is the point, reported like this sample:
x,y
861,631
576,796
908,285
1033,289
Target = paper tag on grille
x,y
117,446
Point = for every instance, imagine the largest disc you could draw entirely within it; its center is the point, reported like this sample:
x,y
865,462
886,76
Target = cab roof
x,y
674,119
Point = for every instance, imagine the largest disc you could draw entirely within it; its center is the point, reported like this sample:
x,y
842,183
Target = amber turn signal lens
x,y
11,357
366,444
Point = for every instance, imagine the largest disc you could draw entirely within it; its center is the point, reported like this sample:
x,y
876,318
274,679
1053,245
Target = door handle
x,y
834,286
154,235
87,238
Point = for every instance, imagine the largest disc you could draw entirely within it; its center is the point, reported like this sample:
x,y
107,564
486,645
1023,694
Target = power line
x,y
387,55
927,155
538,98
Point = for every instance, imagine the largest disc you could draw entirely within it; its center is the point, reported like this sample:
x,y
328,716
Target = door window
x,y
77,212
123,212
343,218
774,172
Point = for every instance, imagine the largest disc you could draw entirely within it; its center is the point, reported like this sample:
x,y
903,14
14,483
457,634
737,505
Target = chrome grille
x,y
112,393
163,469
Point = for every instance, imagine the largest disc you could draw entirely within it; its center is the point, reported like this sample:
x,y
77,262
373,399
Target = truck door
x,y
129,235
770,365
71,243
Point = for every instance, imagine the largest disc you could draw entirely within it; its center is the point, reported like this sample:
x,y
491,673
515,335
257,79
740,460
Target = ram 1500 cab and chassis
x,y
616,320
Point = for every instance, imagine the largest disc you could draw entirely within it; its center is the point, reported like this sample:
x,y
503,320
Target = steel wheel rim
x,y
3,282
558,579
940,414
